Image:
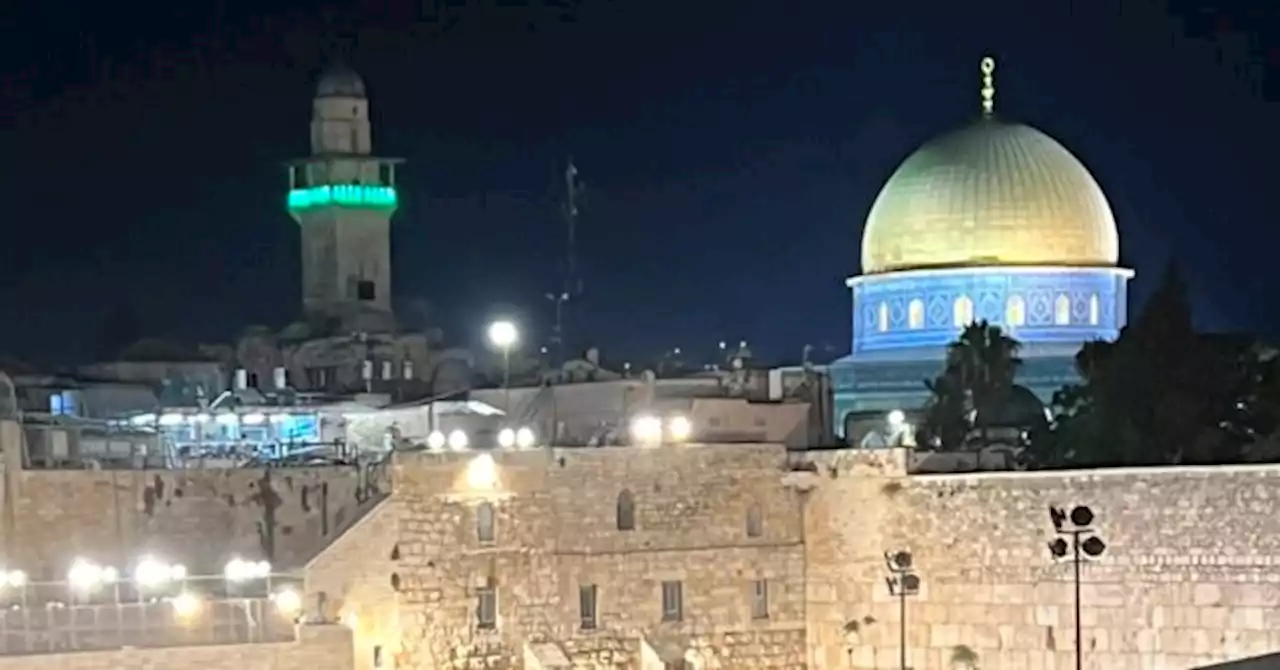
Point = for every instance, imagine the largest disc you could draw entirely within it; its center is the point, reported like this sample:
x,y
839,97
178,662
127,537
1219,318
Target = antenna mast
x,y
571,281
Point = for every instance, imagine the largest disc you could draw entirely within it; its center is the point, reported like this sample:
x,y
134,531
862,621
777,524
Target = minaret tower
x,y
343,197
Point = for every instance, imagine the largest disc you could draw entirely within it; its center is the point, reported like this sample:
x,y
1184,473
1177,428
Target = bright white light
x,y
646,429
506,438
482,473
897,418
171,419
350,620
186,604
85,575
436,440
14,578
227,419
525,438
458,440
287,601
200,418
254,418
240,570
143,419
279,418
503,334
680,428
151,572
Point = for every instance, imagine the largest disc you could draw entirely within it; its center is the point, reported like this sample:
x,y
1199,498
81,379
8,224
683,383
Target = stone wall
x,y
197,517
1191,574
556,530
351,582
318,648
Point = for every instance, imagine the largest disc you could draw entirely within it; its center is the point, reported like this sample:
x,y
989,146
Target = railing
x,y
54,617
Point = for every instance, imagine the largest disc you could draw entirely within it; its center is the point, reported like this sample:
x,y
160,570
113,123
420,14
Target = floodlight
x,y
679,428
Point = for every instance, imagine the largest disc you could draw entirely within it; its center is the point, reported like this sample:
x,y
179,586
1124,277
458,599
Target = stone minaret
x,y
343,197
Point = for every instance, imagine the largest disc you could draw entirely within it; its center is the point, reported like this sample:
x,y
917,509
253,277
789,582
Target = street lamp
x,y
903,582
503,335
1084,545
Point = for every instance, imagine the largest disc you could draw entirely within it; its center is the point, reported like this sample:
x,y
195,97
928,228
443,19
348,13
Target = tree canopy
x,y
1160,394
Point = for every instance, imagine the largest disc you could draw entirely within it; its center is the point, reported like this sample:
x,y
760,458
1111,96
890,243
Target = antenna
x,y
571,280
988,86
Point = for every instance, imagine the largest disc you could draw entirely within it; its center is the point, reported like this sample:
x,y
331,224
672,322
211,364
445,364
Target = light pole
x,y
503,335
1083,546
903,582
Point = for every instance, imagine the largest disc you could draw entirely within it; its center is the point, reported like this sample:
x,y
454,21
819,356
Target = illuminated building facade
x,y
343,197
995,221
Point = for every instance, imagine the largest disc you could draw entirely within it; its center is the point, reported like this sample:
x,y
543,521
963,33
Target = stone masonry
x,y
1191,575
318,648
198,517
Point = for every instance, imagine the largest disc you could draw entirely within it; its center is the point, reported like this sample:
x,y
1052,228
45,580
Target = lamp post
x,y
903,582
503,335
1084,545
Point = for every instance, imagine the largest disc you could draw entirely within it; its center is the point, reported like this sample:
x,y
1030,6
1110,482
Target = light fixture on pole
x,y
903,582
504,335
1084,545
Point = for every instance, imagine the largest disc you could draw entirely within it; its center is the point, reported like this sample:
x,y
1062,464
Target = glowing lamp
x,y
646,429
679,428
482,473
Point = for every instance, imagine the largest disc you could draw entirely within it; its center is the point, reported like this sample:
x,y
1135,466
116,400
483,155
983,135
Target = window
x,y
755,521
882,317
760,599
486,608
1062,310
915,314
626,511
408,369
366,290
484,523
962,311
1015,312
587,606
387,370
1093,310
252,380
672,601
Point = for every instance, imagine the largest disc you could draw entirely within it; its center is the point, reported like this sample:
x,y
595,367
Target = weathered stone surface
x,y
318,648
197,517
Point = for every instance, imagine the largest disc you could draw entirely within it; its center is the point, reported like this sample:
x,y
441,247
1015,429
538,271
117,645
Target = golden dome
x,y
990,194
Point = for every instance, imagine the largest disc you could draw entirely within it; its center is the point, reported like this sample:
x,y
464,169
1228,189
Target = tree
x,y
980,368
1161,393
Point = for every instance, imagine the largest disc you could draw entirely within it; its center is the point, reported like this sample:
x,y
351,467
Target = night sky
x,y
731,151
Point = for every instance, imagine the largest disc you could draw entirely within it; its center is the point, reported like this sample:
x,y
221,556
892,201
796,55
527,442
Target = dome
x,y
990,194
341,82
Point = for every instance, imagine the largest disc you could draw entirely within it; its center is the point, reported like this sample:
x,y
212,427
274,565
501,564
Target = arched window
x,y
1015,312
485,523
755,520
626,511
962,311
882,317
1093,310
1062,310
915,314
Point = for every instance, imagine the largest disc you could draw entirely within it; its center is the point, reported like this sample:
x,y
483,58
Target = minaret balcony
x,y
342,195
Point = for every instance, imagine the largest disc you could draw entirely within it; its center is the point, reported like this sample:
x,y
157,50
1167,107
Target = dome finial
x,y
988,86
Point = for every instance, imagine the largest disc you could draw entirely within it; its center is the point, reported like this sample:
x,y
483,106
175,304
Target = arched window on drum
x,y
1015,311
915,314
1062,310
962,311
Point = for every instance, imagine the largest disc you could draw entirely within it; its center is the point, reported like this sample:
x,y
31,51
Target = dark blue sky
x,y
731,150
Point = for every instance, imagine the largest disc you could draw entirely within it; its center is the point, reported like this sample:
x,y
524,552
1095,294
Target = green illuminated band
x,y
343,195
